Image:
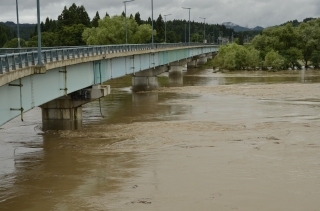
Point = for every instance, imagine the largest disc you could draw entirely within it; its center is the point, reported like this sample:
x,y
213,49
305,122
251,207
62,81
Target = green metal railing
x,y
14,58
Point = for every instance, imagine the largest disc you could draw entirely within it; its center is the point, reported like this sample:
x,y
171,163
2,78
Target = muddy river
x,y
205,141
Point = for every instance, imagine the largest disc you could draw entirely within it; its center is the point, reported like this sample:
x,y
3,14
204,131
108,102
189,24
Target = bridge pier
x,y
65,113
193,63
144,83
147,80
176,68
202,60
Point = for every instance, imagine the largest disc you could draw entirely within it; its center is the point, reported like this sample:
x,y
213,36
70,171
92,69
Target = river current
x,y
172,150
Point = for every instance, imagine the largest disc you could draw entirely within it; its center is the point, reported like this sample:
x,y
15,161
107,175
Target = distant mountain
x,y
238,28
14,25
25,29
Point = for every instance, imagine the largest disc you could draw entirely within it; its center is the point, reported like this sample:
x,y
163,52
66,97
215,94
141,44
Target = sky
x,y
247,13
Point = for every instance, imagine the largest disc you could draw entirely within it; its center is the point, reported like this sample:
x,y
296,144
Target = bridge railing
x,y
13,59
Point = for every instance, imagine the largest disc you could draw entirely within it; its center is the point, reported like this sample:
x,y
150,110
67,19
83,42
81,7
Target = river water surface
x,y
206,141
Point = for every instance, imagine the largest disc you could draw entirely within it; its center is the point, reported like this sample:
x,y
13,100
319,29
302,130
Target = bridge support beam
x,y
65,113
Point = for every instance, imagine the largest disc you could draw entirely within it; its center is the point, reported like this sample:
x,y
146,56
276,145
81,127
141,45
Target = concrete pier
x,y
193,63
202,60
65,113
144,83
176,70
147,80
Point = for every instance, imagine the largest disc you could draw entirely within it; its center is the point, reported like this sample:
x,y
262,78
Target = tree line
x,y
280,47
74,27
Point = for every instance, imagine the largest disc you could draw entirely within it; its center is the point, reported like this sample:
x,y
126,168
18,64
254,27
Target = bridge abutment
x,y
65,113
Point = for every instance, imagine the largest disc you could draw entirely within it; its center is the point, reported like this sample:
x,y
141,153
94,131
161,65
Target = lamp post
x,y
125,18
39,35
204,30
165,27
18,24
188,8
152,23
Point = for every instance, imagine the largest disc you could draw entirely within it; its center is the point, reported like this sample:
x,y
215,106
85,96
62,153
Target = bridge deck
x,y
75,68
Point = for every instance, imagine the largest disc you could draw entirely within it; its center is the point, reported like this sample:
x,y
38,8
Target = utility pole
x,y
125,18
188,8
204,30
152,24
165,28
19,46
39,35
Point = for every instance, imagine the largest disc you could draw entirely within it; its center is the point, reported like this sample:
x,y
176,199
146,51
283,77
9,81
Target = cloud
x,y
245,12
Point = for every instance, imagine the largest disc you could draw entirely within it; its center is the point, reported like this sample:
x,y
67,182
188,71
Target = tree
x,y
112,31
83,16
137,18
48,39
159,27
253,59
315,58
172,37
95,20
74,15
72,35
235,57
5,34
309,39
274,59
14,43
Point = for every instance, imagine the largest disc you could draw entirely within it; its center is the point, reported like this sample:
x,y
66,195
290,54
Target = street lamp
x,y
188,8
39,35
204,30
125,18
152,23
165,27
18,24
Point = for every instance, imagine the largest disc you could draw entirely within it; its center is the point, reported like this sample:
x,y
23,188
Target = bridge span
x,y
72,76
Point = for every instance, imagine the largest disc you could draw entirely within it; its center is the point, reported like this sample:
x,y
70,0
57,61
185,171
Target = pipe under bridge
x,y
72,76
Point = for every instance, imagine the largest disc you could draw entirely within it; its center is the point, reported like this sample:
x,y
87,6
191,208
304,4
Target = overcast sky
x,y
249,13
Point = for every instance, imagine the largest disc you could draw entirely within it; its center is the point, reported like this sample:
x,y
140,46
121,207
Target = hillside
x,y
238,28
25,29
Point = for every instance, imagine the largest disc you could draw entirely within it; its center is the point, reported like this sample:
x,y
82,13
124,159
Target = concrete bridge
x,y
72,76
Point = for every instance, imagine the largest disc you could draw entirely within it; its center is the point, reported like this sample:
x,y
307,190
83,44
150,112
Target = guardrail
x,y
12,59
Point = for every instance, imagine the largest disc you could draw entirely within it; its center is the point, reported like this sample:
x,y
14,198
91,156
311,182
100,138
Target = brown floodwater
x,y
208,141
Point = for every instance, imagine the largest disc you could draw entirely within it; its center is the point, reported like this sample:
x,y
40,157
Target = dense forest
x,y
286,46
67,30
